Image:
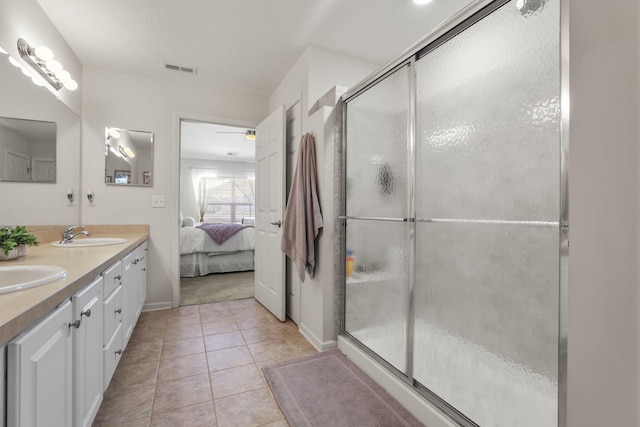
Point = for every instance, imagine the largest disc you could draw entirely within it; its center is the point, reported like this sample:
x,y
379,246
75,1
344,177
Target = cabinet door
x,y
112,278
128,285
87,352
141,284
39,373
112,355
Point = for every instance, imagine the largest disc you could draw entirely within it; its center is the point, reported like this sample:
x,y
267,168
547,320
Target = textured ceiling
x,y
241,45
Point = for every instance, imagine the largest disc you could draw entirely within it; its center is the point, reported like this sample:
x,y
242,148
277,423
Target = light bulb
x,y
37,81
26,72
54,66
2,50
421,2
43,53
70,84
14,62
63,75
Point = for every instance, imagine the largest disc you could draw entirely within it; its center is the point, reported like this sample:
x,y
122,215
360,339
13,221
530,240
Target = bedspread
x,y
193,240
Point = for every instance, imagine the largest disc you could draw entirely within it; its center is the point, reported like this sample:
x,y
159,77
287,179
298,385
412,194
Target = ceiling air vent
x,y
190,70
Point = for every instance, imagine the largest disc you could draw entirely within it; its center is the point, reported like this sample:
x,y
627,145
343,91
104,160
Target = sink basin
x,y
17,277
90,241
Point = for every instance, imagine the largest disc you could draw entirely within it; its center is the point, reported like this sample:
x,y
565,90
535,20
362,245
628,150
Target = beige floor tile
x,y
236,380
229,358
182,367
280,423
131,404
139,422
140,352
143,373
216,316
274,349
157,316
255,335
250,409
183,347
226,340
188,310
214,306
219,327
199,415
180,393
186,320
182,331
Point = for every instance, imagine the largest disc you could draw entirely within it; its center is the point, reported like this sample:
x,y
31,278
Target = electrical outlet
x,y
157,201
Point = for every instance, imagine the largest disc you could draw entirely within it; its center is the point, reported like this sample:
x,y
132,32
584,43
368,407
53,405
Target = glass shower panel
x,y
488,120
487,212
376,293
377,134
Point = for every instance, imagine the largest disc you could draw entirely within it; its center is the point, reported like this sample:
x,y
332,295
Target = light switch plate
x,y
157,201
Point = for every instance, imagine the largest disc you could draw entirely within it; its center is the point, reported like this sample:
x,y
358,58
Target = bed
x,y
201,255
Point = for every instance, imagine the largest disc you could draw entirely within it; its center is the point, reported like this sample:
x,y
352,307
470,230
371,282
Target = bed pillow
x,y
188,222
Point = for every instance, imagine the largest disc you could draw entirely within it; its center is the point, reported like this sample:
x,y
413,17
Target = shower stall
x,y
455,218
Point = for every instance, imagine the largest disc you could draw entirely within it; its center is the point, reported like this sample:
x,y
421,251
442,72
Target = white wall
x,y
39,203
132,102
188,202
315,73
604,213
26,19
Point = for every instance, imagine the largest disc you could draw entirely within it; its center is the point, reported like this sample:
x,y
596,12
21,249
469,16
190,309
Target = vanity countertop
x,y
20,309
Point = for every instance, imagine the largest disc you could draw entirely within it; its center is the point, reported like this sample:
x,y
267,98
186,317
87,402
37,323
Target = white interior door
x,y
43,170
17,167
270,284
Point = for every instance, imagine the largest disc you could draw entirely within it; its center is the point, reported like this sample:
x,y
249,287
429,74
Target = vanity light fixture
x,y
41,60
127,152
250,134
113,133
421,2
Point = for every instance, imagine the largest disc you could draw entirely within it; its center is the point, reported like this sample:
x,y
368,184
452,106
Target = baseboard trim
x,y
314,340
418,406
155,306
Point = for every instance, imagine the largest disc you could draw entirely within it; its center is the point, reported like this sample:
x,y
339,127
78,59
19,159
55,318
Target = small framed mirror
x,y
128,157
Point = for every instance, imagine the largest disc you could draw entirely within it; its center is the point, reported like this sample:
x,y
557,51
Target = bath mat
x,y
327,389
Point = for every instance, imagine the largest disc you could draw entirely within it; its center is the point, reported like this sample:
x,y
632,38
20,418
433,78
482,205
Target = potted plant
x,y
23,239
8,245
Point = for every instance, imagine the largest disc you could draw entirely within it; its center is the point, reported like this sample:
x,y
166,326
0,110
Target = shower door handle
x,y
277,223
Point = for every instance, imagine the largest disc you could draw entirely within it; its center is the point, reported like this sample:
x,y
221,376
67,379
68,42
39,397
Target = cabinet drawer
x,y
112,313
112,277
112,355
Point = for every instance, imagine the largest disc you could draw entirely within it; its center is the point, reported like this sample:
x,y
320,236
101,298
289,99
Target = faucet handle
x,y
73,227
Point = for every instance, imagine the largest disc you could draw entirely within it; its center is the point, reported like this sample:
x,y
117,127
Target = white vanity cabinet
x,y
40,376
129,276
141,279
113,315
87,352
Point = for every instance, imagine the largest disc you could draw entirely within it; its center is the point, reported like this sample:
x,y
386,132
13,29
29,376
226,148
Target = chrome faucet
x,y
68,234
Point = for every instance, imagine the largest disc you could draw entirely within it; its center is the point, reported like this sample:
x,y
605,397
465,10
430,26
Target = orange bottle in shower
x,y
349,269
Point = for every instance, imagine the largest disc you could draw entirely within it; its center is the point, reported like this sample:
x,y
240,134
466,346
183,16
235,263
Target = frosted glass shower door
x,y
376,293
487,219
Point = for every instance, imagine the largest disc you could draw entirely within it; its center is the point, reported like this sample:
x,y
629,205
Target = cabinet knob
x,y
144,269
75,324
119,310
86,313
118,277
119,351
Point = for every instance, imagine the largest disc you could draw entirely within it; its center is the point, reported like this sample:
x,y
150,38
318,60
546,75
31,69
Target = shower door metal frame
x,y
472,13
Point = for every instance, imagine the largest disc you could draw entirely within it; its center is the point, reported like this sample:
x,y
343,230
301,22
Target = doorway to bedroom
x,y
217,212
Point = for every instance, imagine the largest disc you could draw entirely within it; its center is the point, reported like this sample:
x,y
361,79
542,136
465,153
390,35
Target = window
x,y
227,199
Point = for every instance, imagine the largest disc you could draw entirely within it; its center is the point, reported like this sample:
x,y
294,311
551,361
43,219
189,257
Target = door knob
x,y
277,224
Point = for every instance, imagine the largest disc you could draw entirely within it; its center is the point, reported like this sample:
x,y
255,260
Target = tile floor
x,y
200,366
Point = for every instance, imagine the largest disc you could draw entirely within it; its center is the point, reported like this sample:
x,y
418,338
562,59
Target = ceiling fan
x,y
248,134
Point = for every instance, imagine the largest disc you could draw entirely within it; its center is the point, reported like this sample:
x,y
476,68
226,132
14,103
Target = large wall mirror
x,y
128,157
39,153
27,150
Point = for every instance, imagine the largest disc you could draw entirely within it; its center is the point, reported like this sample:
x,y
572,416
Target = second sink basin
x,y
90,241
17,277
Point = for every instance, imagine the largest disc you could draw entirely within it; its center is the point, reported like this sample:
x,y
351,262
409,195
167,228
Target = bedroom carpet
x,y
216,288
327,389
